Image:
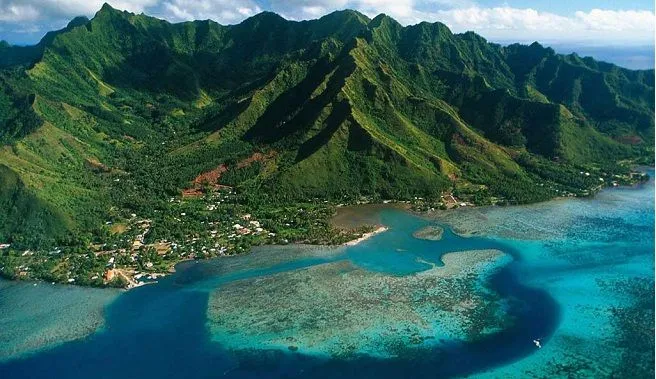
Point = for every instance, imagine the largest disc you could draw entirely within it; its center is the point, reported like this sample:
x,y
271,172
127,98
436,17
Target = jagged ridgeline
x,y
121,112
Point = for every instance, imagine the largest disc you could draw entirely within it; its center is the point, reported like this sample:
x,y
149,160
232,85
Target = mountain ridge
x,y
342,106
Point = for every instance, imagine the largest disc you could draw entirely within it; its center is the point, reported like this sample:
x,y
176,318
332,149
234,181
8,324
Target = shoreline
x,y
366,236
353,209
173,268
427,215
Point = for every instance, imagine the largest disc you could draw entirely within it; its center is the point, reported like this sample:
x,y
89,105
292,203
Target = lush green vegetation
x,y
122,114
133,247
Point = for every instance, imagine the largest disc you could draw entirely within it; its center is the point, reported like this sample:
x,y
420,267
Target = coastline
x,y
499,221
541,291
366,236
366,214
369,217
353,216
174,268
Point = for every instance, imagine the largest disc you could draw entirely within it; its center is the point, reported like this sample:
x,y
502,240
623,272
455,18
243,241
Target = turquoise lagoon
x,y
576,275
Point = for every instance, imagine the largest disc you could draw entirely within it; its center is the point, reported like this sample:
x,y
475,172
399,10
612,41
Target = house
x,y
109,275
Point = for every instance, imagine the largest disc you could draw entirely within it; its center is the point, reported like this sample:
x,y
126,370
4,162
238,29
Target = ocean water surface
x,y
560,289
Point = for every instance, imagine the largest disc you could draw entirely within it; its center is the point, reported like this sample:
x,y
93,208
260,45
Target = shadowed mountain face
x,y
123,111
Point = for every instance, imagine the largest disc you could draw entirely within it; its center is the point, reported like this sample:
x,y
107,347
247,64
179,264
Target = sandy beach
x,y
366,236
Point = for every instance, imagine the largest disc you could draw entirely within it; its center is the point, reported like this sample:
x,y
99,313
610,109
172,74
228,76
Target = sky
x,y
570,23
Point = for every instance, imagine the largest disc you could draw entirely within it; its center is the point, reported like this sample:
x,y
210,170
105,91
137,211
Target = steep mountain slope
x,y
18,55
116,114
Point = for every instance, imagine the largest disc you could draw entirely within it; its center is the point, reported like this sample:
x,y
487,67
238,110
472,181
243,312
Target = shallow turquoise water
x,y
577,271
589,265
36,315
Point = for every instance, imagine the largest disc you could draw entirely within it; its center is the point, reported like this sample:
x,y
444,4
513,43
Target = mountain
x,y
21,55
119,113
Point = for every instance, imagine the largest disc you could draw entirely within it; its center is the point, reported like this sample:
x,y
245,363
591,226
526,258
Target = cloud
x,y
304,9
17,12
524,24
45,10
222,11
502,23
396,8
618,21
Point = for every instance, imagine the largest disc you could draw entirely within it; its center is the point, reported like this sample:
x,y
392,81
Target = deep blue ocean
x,y
573,275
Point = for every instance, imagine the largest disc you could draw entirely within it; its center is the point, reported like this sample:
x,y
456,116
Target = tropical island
x,y
130,144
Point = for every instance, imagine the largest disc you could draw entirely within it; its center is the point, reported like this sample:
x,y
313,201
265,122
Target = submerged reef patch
x,y
339,310
633,326
610,333
430,233
57,314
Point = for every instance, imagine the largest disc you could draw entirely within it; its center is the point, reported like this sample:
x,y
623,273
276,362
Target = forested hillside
x,y
119,114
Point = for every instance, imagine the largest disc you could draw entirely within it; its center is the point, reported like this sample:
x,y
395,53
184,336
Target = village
x,y
135,251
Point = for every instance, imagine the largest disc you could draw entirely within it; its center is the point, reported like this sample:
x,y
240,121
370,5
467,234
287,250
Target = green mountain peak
x,y
265,17
106,7
122,115
77,21
348,13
